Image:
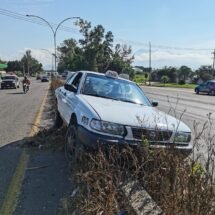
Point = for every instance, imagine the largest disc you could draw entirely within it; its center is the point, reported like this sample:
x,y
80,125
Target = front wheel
x,y
212,93
71,143
197,91
24,90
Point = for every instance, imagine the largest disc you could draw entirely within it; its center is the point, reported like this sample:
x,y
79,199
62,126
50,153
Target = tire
x,y
197,92
58,120
24,90
212,93
72,145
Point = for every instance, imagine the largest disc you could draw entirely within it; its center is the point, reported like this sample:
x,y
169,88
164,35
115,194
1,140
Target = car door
x,y
70,98
207,87
202,87
61,97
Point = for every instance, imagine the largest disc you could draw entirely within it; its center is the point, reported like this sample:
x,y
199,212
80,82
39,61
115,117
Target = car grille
x,y
151,135
7,83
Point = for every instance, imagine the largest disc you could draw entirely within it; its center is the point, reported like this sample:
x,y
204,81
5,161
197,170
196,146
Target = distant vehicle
x,y
10,81
64,75
108,109
38,77
45,79
207,87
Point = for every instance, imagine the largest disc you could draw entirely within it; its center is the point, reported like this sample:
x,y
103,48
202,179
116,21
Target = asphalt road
x,y
18,110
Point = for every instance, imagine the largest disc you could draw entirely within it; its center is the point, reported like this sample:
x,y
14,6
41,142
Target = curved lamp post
x,y
53,56
54,31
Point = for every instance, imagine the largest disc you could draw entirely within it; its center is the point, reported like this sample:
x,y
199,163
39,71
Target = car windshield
x,y
116,89
8,77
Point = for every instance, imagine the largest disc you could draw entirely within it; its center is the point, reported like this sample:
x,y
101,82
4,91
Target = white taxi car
x,y
108,109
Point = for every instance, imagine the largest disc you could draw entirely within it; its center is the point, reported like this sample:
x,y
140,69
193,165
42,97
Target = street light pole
x,y
54,31
52,55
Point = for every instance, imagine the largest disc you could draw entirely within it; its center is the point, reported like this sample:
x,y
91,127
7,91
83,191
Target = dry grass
x,y
55,83
178,185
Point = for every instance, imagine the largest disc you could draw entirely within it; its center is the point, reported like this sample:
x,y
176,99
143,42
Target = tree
x,y
164,79
171,72
94,52
205,73
14,66
30,64
184,72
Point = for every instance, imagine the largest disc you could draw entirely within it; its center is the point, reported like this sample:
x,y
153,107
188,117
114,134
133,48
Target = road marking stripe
x,y
35,127
10,200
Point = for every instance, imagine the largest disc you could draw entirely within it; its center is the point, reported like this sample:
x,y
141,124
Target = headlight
x,y
182,137
107,127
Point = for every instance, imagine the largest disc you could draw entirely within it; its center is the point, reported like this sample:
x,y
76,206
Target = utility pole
x,y
213,53
150,64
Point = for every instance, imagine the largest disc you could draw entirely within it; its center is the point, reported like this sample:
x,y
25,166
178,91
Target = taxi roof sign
x,y
111,74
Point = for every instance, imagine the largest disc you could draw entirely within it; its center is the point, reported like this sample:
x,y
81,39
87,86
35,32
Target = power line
x,y
35,21
22,17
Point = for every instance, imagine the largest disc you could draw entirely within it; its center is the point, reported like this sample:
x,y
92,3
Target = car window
x,y
70,80
77,79
116,89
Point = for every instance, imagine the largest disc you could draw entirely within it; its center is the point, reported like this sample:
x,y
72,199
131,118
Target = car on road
x,y
207,87
112,110
10,81
45,79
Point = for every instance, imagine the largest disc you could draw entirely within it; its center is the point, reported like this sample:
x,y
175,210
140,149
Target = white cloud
x,y
162,58
41,55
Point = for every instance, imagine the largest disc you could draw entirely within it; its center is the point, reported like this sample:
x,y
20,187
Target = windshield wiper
x,y
97,95
126,100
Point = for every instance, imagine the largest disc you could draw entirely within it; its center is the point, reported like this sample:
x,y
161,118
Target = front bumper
x,y
92,140
9,84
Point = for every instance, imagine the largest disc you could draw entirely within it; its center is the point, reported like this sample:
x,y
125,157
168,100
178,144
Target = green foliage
x,y
139,79
184,72
189,86
181,82
94,52
205,73
30,64
14,66
164,79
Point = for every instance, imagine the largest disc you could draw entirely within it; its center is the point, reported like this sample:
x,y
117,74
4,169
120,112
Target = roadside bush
x,y
164,79
55,83
181,82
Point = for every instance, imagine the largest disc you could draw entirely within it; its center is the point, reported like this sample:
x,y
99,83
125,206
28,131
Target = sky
x,y
181,32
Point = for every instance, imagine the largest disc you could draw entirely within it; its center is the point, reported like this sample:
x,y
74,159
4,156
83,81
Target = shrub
x,y
181,82
164,79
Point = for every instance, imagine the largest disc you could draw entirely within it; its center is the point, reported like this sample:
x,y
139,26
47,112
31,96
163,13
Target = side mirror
x,y
154,104
71,88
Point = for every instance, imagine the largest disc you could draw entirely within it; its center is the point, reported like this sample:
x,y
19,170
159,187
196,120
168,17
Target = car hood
x,y
133,114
